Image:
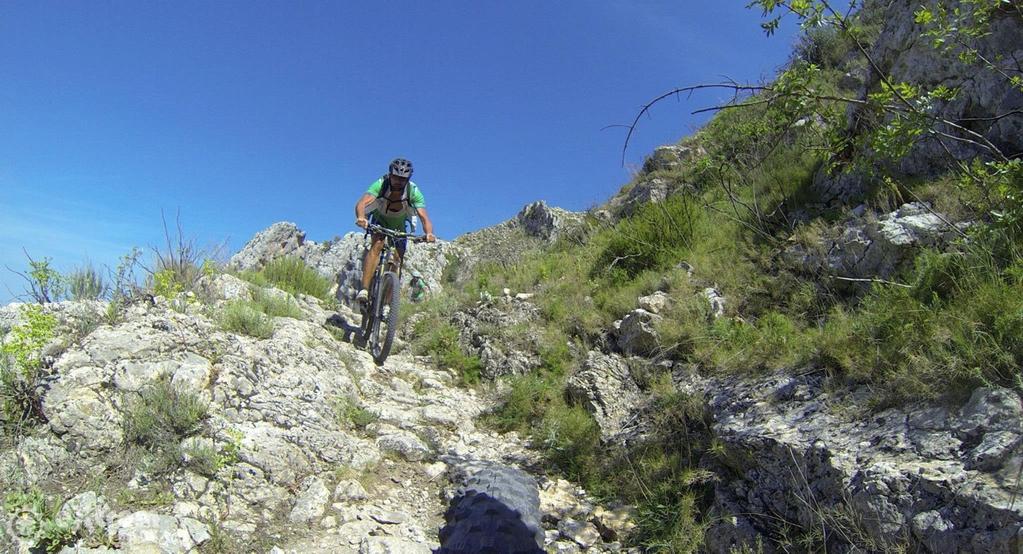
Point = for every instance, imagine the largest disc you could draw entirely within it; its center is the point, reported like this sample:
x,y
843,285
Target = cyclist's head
x,y
400,167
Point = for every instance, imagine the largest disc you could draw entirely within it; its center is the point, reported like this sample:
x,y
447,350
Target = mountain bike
x,y
380,313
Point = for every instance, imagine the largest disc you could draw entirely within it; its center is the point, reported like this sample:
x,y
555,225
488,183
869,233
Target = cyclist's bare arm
x,y
360,209
427,225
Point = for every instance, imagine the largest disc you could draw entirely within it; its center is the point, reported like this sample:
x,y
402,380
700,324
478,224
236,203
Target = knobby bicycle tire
x,y
386,317
496,511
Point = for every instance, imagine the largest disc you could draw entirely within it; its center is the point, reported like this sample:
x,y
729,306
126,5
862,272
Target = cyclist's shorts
x,y
395,225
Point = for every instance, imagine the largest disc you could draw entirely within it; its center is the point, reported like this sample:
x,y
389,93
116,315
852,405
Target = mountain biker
x,y
390,201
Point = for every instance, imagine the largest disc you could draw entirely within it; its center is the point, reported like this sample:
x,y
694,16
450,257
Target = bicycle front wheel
x,y
385,320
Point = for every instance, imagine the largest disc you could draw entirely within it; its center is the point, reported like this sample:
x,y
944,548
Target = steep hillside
x,y
797,329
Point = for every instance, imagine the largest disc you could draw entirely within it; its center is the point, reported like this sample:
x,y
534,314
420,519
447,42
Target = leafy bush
x,y
167,284
160,417
20,364
45,284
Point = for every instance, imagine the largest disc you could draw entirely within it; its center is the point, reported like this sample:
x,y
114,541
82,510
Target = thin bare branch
x,y
690,89
881,281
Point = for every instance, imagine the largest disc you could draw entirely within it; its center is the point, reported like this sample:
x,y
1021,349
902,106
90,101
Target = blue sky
x,y
241,114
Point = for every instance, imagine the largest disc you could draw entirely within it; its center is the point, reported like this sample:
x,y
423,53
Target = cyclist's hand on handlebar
x,y
362,222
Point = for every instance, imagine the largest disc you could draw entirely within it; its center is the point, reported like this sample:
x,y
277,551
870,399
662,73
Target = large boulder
x,y
276,241
152,532
606,389
637,334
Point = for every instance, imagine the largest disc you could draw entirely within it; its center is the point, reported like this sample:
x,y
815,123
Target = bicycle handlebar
x,y
381,230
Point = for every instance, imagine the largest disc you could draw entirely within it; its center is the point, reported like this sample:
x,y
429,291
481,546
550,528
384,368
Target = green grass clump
x,y
86,283
255,317
274,305
291,275
655,237
352,415
246,317
159,418
441,341
958,326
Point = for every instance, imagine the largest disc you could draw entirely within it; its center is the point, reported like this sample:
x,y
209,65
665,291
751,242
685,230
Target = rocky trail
x,y
314,448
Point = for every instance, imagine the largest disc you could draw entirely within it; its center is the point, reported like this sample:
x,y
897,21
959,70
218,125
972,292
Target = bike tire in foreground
x,y
497,510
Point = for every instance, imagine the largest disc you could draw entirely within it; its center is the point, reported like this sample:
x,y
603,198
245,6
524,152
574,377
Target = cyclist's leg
x,y
369,262
400,252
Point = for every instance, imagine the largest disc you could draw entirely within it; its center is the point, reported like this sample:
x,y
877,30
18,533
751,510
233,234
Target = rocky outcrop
x,y
534,227
927,477
644,191
983,94
636,333
866,248
672,157
654,183
545,222
500,333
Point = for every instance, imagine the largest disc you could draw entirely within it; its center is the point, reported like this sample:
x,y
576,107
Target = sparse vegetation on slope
x,y
936,329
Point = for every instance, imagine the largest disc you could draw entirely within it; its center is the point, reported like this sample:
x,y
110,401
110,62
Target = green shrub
x,y
168,284
824,46
160,417
20,364
37,519
246,317
958,326
44,282
206,458
291,275
525,402
570,439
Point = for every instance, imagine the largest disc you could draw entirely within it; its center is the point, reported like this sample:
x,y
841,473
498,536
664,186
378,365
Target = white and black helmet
x,y
400,167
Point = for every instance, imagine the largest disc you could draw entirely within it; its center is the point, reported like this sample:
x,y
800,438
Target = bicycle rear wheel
x,y
385,318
